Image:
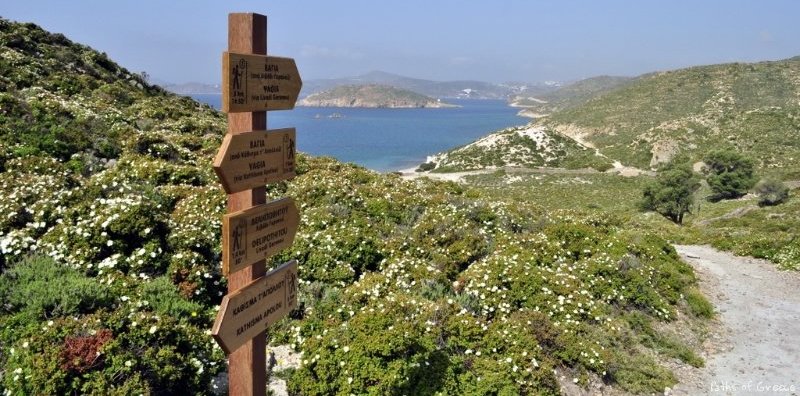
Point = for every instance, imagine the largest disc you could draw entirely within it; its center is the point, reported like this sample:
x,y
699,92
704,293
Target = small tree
x,y
729,174
672,193
771,192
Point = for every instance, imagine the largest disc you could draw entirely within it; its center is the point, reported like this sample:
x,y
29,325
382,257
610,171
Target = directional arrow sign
x,y
258,83
254,234
251,309
253,159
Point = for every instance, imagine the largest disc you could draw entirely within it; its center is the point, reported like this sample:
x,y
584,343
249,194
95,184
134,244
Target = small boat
x,y
336,115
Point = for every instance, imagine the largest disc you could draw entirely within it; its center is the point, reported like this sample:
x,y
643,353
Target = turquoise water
x,y
389,139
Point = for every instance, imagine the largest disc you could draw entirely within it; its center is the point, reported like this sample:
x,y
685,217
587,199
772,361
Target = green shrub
x,y
729,174
164,298
672,193
427,166
698,304
42,288
771,192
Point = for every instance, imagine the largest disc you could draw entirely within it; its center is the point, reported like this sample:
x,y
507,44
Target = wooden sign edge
x,y
219,158
226,230
215,329
226,83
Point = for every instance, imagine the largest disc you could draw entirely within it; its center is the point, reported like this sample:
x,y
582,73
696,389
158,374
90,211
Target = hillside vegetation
x,y
370,96
753,108
110,278
528,146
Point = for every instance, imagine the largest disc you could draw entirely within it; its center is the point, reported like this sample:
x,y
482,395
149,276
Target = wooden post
x,y
247,366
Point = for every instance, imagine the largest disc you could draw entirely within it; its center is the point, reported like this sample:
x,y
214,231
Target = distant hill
x,y
567,96
750,107
372,95
436,89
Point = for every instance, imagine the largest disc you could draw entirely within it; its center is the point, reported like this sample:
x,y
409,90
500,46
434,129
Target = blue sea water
x,y
389,139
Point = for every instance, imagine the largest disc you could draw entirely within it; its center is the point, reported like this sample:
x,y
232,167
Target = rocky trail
x,y
756,351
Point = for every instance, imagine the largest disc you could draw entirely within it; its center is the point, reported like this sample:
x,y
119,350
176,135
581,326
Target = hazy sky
x,y
498,40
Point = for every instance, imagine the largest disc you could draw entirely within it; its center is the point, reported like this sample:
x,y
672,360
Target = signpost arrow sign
x,y
258,83
250,310
253,234
253,159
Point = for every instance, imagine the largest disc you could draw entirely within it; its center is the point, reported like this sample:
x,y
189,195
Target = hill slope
x,y
568,96
527,146
110,278
370,96
754,108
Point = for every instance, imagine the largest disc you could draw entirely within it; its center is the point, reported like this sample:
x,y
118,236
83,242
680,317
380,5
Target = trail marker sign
x,y
253,159
258,83
254,234
250,157
249,311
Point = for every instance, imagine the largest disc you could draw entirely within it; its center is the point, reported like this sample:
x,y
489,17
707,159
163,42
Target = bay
x,y
389,139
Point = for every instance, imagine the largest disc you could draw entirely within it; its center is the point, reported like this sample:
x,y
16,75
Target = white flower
x,y
152,329
110,243
128,363
349,380
346,349
25,344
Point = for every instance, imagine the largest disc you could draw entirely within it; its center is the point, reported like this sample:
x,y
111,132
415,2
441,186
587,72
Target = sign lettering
x,y
253,159
250,310
253,234
258,83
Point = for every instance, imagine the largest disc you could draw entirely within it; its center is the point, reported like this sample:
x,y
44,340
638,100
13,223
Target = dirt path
x,y
758,307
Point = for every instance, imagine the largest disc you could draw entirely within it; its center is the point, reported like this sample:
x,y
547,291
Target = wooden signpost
x,y
253,229
252,159
252,234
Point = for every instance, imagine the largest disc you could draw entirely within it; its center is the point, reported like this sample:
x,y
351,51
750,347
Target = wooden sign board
x,y
254,234
258,83
250,310
253,159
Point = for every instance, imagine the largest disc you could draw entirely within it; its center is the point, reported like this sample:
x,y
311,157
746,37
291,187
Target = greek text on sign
x,y
253,159
254,234
258,83
248,311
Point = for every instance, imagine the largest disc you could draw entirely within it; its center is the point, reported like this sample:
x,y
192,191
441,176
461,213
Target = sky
x,y
497,41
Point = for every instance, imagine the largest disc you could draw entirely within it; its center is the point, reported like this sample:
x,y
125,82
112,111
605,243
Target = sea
x,y
388,140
